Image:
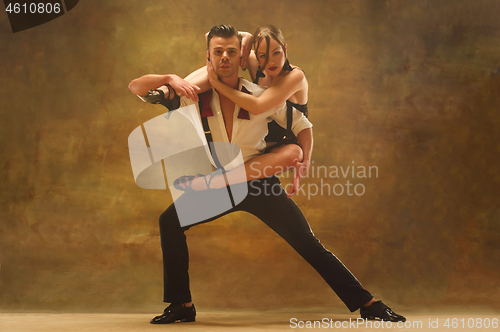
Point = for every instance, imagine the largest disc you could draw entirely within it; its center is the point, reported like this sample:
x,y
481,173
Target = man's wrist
x,y
167,79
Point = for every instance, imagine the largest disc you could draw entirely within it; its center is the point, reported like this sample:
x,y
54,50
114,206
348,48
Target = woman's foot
x,y
196,183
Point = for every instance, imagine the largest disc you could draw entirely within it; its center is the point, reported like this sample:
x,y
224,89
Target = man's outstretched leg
x,y
175,271
176,260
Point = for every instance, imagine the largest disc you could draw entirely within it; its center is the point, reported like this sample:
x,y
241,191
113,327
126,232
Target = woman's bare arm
x,y
272,97
246,48
252,65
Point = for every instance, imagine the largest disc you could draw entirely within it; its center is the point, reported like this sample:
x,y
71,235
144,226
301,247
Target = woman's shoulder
x,y
297,70
296,75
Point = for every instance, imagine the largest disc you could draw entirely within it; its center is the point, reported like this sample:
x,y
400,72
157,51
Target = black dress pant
x,y
266,200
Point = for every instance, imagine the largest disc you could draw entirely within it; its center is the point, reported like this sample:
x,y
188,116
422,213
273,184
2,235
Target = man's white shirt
x,y
249,134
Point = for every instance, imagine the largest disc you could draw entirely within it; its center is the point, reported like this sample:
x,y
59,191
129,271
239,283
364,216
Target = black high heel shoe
x,y
184,182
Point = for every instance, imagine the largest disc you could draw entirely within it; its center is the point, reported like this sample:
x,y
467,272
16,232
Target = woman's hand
x,y
213,78
183,88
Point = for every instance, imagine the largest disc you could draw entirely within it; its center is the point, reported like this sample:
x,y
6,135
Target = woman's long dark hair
x,y
267,32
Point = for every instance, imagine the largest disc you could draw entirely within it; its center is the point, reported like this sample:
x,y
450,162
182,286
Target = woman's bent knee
x,y
293,152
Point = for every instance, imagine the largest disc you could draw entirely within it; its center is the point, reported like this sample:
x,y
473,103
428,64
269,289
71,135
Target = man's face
x,y
225,55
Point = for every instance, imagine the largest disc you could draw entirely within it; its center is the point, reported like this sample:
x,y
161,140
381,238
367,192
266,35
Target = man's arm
x,y
305,140
302,128
142,85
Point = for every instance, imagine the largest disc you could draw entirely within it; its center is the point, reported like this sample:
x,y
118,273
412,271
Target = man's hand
x,y
305,138
300,171
183,88
246,47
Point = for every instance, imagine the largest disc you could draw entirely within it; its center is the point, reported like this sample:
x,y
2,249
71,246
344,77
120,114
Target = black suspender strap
x,y
208,136
289,121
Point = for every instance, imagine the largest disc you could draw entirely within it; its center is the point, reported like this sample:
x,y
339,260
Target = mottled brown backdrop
x,y
410,87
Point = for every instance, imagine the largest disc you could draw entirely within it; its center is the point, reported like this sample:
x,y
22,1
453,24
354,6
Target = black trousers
x,y
266,200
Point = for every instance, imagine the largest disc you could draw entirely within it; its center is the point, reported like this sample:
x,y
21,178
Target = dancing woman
x,y
268,67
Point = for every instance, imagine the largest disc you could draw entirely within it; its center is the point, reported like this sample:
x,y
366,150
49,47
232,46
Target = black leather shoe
x,y
381,311
175,312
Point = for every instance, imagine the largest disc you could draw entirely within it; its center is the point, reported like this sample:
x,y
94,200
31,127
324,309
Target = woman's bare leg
x,y
277,161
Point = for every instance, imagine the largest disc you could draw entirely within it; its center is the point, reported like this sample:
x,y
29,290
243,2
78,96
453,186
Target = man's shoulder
x,y
186,101
253,88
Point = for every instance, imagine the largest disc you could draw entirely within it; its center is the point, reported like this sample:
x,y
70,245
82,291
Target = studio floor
x,y
451,320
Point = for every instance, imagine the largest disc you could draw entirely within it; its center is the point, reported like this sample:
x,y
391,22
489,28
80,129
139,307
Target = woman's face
x,y
276,57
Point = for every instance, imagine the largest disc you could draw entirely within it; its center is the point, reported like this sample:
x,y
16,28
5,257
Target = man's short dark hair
x,y
224,31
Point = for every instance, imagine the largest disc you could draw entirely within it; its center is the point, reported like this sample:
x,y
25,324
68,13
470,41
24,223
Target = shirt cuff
x,y
300,122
